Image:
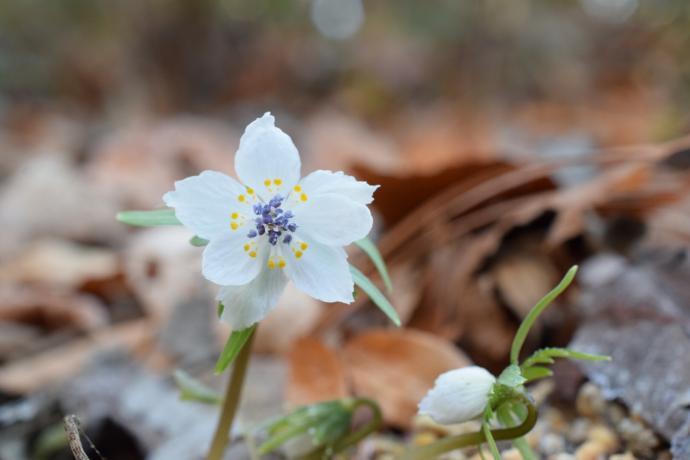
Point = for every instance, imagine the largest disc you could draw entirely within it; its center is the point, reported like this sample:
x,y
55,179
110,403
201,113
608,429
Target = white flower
x,y
458,395
273,226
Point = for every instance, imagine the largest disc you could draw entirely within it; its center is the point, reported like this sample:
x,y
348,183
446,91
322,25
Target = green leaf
x,y
547,356
538,309
511,377
193,390
233,347
370,249
375,295
198,241
220,309
154,218
536,372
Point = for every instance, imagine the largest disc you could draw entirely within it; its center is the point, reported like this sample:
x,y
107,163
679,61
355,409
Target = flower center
x,y
273,221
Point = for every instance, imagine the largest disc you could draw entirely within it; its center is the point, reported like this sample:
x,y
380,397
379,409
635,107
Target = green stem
x,y
233,392
352,438
523,330
444,445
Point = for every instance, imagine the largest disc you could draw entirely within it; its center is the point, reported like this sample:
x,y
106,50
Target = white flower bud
x,y
458,395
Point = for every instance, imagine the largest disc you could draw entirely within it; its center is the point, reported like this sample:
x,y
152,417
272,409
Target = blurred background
x,y
511,140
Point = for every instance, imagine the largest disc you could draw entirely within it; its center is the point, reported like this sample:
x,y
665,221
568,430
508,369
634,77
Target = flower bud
x,y
458,395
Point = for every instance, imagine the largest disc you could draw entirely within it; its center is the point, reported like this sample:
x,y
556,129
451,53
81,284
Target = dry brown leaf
x,y
396,367
60,363
293,317
51,309
139,163
523,274
316,373
61,263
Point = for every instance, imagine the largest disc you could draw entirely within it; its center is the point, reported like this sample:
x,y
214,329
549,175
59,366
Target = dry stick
x,y
72,429
233,392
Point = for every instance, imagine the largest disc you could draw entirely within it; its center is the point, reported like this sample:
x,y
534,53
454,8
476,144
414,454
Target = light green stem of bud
x,y
448,444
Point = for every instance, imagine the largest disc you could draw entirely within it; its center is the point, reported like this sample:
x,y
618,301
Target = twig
x,y
72,429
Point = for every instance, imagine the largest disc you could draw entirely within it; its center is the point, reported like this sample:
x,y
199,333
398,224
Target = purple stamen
x,y
274,221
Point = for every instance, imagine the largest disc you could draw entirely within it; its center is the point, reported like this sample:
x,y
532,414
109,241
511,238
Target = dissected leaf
x,y
193,390
511,377
375,295
368,246
233,347
154,218
536,372
548,355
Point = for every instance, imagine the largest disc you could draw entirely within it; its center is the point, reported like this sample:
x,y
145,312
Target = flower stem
x,y
444,445
233,392
352,438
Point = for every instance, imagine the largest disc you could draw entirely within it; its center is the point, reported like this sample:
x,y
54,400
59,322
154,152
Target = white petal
x,y
234,259
458,395
321,181
267,160
250,303
320,271
332,219
205,202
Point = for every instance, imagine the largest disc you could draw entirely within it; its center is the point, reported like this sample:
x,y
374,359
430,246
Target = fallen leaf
x,y
315,373
396,367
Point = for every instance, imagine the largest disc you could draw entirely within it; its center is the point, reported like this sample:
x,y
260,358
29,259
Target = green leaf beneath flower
x,y
536,372
370,249
375,295
511,377
233,347
198,241
154,218
193,390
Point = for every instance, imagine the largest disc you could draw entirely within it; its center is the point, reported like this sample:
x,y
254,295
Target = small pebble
x,y
579,429
590,402
591,450
605,436
615,413
511,454
551,444
639,439
562,456
625,456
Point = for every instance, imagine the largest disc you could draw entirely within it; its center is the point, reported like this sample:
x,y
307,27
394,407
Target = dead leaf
x,y
59,263
396,367
316,373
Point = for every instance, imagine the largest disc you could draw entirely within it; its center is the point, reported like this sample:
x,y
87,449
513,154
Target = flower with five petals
x,y
273,226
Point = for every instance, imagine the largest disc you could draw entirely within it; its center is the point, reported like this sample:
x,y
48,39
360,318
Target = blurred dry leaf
x,y
316,373
337,142
396,367
46,197
139,163
523,275
60,363
59,263
295,315
50,309
161,267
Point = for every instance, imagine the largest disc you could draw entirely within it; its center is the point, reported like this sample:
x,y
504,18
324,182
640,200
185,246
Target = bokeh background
x,y
511,139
